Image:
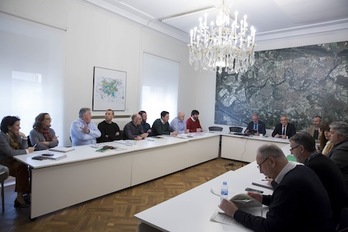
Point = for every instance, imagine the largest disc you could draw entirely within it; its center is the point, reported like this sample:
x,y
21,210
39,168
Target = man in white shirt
x,y
178,124
83,131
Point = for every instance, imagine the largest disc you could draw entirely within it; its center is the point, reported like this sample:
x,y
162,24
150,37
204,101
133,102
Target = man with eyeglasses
x,y
299,201
339,152
284,129
303,148
255,127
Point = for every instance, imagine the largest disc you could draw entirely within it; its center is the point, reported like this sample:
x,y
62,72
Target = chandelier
x,y
229,44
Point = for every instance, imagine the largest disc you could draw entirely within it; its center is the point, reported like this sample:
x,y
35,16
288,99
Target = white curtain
x,y
159,87
31,72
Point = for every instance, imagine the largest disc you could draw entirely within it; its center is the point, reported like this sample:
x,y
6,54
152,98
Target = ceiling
x,y
269,17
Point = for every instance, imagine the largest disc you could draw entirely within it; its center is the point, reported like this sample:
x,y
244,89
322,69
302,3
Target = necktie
x,y
255,126
283,131
316,134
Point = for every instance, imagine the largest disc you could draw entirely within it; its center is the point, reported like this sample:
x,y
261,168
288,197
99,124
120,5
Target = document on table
x,y
49,157
220,217
62,149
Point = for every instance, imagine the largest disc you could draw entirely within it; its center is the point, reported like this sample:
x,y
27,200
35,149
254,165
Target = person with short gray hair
x,y
255,127
339,152
178,123
83,131
134,130
302,146
299,201
284,129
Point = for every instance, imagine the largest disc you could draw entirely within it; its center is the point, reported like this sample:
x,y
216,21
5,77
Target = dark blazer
x,y
298,203
261,127
332,179
339,155
290,130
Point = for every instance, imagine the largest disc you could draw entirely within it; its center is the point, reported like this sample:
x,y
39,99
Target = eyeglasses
x,y
259,165
292,148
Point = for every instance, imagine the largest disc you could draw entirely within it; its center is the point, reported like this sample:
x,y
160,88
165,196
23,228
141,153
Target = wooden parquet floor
x,y
113,212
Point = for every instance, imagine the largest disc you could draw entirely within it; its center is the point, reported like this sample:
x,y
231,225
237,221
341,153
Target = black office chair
x,y
343,222
236,129
29,142
215,128
4,173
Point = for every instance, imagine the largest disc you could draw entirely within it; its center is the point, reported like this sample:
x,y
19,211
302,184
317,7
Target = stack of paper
x,y
62,149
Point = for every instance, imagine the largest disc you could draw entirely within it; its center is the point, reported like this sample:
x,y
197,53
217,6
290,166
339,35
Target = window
x,y
31,72
159,87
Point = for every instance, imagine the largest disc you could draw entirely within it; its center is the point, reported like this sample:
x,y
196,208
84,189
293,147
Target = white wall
x,y
96,37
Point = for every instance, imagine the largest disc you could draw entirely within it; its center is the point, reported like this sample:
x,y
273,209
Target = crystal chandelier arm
x,y
226,45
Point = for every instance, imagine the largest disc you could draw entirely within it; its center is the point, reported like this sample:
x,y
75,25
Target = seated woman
x,y
324,139
12,143
42,135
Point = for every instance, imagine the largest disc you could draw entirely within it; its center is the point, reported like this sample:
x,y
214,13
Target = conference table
x,y
192,210
85,173
243,148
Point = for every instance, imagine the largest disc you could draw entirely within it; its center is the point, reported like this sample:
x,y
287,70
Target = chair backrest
x,y
236,129
4,173
215,128
29,142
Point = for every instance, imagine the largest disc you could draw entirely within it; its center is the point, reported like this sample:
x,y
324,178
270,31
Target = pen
x,y
253,190
34,145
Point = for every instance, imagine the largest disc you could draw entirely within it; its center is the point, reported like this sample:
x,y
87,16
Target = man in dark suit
x,y
303,148
255,127
299,201
284,129
339,152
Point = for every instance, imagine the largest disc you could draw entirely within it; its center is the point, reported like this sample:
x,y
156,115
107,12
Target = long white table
x,y
243,148
86,174
192,210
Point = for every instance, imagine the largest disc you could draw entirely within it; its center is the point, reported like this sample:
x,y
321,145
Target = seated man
x,y
146,126
178,124
192,123
161,126
339,151
83,131
110,131
313,130
284,129
303,148
299,201
255,127
133,130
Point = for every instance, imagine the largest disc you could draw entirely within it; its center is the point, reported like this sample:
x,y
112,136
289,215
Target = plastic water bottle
x,y
224,190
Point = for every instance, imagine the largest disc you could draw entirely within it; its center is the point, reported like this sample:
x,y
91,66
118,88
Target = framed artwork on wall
x,y
109,89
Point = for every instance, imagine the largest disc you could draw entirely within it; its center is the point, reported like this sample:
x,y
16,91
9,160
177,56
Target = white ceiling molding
x,y
170,24
333,26
145,21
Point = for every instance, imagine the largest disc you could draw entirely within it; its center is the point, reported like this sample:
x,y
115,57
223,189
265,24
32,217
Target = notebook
x,y
49,157
62,149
